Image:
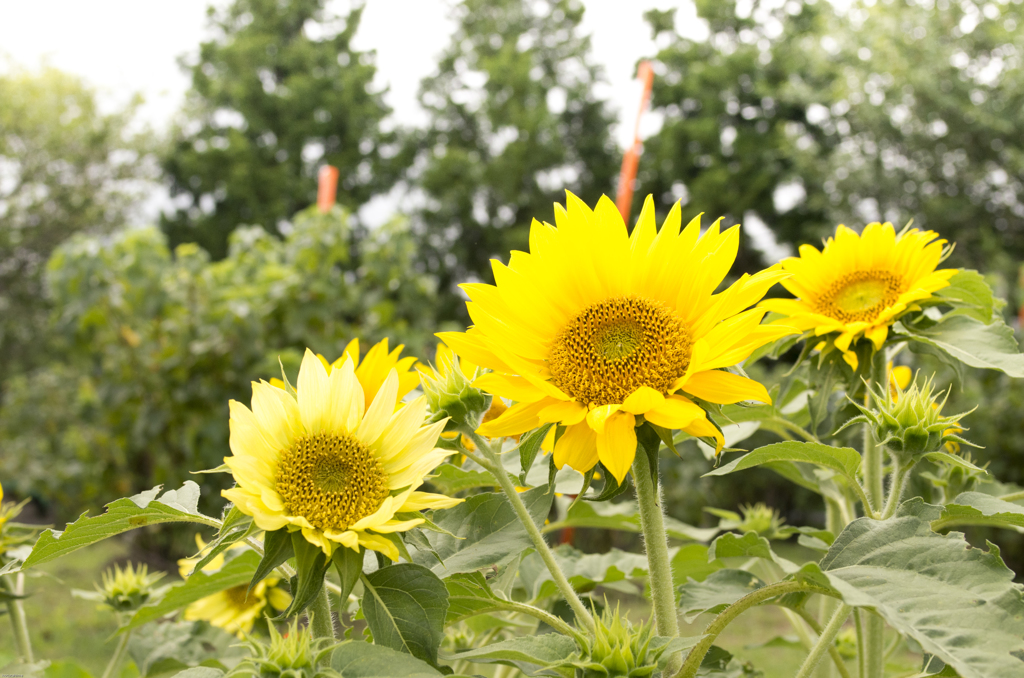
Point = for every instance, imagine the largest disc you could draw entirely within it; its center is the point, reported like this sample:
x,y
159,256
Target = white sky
x,y
127,46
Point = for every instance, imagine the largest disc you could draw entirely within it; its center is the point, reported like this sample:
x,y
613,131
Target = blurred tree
x,y
156,343
65,168
515,119
808,117
279,92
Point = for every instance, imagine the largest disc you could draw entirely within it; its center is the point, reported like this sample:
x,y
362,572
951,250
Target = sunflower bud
x,y
955,479
450,393
909,423
127,590
296,654
619,649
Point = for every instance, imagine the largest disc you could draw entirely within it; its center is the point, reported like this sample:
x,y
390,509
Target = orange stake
x,y
327,188
631,159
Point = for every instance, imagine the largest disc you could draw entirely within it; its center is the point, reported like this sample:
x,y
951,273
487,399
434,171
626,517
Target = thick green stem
x,y
320,620
19,622
874,646
862,655
115,661
899,481
825,640
494,466
874,454
837,659
652,522
729,614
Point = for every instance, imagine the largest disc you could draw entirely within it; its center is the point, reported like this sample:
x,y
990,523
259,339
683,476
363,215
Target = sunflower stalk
x,y
320,620
493,465
19,622
652,522
825,641
873,627
115,660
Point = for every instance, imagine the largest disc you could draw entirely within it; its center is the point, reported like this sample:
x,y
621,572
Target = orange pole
x,y
327,188
631,159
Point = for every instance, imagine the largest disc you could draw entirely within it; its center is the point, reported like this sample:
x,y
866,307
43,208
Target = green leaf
x,y
526,653
121,515
200,672
236,571
973,343
450,479
843,460
611,487
585,571
277,548
349,565
529,446
958,602
975,508
954,460
625,516
732,545
720,590
970,295
487,532
310,568
691,562
169,647
405,607
359,659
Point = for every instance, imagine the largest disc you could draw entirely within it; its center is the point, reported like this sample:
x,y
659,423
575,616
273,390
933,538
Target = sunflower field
x,y
375,395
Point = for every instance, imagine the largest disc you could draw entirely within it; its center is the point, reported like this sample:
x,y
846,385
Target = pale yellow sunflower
x,y
235,609
323,462
594,328
859,285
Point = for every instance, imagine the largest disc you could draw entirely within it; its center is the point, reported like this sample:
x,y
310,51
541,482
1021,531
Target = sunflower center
x,y
238,596
616,346
331,480
860,295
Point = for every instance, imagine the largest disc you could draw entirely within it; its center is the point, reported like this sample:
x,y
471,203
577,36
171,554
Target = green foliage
x,y
158,342
68,168
893,110
514,120
405,606
269,104
354,659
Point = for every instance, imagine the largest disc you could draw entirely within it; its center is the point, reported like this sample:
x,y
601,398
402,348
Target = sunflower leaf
x,y
236,572
122,515
843,460
975,508
277,548
529,446
969,295
971,342
527,653
349,565
357,659
718,591
405,607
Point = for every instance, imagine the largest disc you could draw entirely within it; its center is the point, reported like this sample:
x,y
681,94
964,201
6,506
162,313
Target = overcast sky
x,y
127,46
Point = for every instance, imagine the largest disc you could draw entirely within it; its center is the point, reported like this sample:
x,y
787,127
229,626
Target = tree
x,y
514,120
279,92
65,168
808,118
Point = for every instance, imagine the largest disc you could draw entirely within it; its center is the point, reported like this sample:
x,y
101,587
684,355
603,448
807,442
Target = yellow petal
x,y
643,399
598,416
567,412
577,448
517,419
509,386
616,447
418,501
702,428
725,388
313,393
380,410
676,412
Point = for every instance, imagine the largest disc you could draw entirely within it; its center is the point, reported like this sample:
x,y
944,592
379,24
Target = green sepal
x,y
310,568
277,548
611,487
529,446
649,442
349,565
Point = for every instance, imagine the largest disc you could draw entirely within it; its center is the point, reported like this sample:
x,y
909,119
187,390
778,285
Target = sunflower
x,y
322,462
235,609
595,327
899,379
859,285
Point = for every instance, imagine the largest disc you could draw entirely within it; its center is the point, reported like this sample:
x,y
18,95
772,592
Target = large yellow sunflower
x,y
595,327
323,462
859,285
235,609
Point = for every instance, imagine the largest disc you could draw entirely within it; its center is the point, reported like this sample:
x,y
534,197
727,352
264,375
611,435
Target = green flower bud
x,y
909,423
126,590
954,479
846,643
450,394
759,518
619,649
296,654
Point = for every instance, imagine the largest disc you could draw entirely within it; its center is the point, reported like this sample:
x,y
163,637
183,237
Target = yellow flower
x,y
859,285
374,368
323,462
235,609
595,327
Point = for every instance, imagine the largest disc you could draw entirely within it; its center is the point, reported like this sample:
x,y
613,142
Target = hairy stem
x,y
115,660
873,454
837,659
1013,496
19,622
825,641
493,465
729,614
320,620
899,481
